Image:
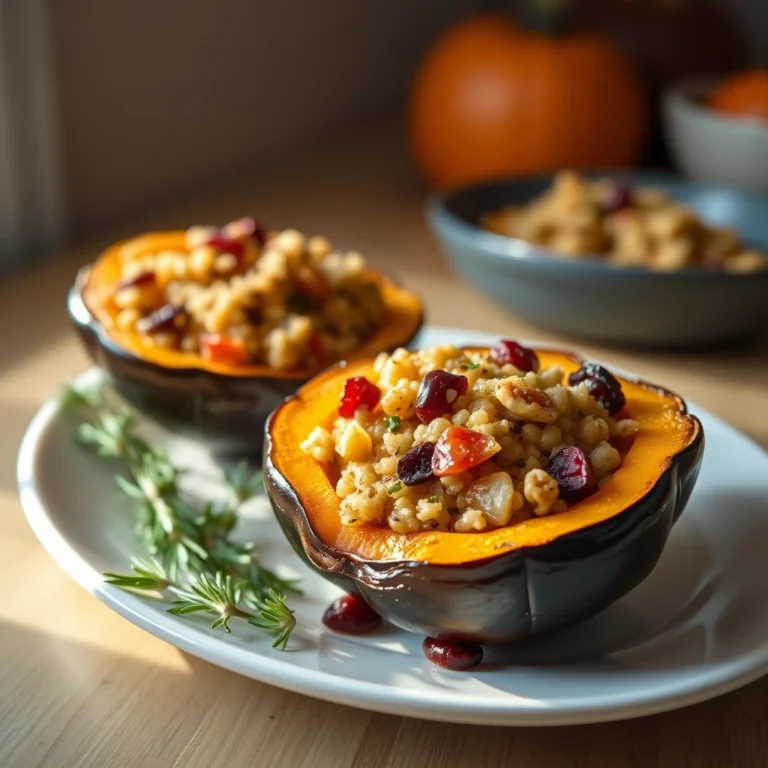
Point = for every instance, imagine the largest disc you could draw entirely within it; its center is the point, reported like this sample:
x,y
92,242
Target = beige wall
x,y
158,95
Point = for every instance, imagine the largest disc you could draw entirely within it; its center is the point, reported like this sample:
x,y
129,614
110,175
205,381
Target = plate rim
x,y
270,668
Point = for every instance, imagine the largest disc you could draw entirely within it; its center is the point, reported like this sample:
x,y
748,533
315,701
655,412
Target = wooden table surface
x,y
80,686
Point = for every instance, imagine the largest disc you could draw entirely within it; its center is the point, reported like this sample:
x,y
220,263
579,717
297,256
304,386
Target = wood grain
x,y
79,686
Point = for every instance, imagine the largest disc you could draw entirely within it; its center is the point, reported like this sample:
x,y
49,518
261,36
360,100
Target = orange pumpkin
x,y
492,99
744,94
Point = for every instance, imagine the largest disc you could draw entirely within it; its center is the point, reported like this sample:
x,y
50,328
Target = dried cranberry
x,y
438,393
253,314
259,233
300,303
147,277
511,352
617,196
358,392
415,467
352,615
602,384
459,449
316,350
167,318
246,227
452,654
312,283
574,476
226,245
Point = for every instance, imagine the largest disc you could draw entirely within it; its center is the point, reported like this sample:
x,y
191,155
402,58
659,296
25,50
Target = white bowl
x,y
712,147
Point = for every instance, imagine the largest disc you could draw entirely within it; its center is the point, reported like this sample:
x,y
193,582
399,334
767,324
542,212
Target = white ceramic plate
x,y
696,628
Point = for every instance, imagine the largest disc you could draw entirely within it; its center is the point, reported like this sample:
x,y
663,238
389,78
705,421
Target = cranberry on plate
x,y
452,654
351,615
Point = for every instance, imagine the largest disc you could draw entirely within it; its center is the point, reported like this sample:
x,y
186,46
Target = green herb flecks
x,y
392,423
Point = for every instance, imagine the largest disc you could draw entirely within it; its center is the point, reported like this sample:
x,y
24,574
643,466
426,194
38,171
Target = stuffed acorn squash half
x,y
480,495
210,329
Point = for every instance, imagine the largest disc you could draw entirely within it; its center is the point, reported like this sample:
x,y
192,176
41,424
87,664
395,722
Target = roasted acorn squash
x,y
225,405
538,575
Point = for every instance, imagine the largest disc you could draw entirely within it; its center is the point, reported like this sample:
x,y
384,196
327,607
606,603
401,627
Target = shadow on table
x,y
82,704
14,419
34,306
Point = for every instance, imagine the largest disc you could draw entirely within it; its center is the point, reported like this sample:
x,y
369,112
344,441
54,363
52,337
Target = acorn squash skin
x,y
509,596
226,411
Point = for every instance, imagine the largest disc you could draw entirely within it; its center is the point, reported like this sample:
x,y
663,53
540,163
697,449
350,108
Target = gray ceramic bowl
x,y
710,147
592,300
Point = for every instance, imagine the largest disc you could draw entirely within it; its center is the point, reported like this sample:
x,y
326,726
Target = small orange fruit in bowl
x,y
742,95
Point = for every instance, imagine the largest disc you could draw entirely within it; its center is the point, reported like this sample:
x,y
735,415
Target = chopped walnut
x,y
525,403
540,490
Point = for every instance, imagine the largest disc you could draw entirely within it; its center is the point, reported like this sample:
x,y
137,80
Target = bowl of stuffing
x,y
209,329
638,258
479,495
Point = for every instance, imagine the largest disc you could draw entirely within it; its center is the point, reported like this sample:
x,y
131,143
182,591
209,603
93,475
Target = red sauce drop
x,y
452,654
351,615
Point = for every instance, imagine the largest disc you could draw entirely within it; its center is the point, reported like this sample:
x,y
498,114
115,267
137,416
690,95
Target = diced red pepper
x,y
358,392
219,348
459,449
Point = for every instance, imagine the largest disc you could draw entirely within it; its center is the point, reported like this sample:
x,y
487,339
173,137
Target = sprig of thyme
x,y
191,553
215,594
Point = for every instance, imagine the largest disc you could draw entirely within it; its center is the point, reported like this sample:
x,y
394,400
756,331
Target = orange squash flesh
x,y
404,314
665,430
